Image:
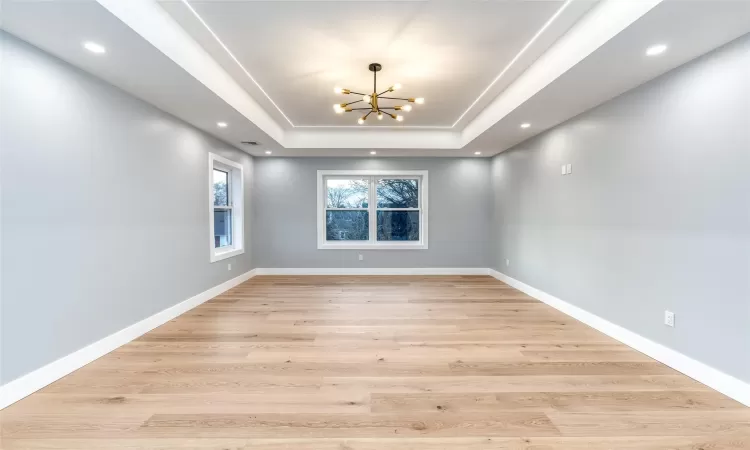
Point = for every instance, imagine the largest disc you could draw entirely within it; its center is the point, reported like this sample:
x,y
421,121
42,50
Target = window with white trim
x,y
372,209
225,207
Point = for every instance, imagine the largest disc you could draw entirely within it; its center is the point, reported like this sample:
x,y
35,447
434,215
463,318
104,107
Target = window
x,y
372,209
225,204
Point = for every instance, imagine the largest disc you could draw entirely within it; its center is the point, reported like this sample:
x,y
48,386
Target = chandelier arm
x,y
356,93
351,103
387,90
395,98
359,109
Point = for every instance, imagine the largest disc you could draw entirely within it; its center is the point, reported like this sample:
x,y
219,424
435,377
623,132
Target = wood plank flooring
x,y
365,363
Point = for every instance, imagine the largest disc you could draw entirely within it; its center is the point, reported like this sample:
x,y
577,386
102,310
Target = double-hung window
x,y
225,207
363,209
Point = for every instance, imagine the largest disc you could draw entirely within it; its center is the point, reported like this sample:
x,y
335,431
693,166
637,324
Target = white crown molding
x,y
28,384
372,138
713,378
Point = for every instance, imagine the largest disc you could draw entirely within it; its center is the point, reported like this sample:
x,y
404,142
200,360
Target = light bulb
x,y
380,116
366,98
400,118
406,108
94,47
419,100
396,86
360,121
338,90
656,50
338,109
525,125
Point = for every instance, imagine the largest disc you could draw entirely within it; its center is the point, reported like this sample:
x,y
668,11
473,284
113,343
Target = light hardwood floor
x,y
365,363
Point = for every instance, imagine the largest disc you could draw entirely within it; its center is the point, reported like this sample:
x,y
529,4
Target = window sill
x,y
365,246
224,254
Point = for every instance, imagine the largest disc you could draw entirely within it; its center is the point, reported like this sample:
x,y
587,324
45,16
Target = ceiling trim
x,y
595,29
515,59
157,27
234,58
589,33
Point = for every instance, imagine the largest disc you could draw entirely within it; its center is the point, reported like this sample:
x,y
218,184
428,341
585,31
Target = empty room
x,y
366,225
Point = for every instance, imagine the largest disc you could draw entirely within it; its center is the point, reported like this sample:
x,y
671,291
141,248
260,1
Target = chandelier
x,y
373,100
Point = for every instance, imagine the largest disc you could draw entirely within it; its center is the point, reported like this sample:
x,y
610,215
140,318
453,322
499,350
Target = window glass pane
x,y
398,193
347,193
222,227
398,225
347,225
221,194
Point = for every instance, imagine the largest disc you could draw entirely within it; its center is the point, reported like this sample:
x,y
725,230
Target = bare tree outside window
x,y
347,217
374,209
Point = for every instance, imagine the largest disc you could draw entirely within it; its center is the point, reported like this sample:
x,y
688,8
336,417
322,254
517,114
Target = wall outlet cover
x,y
361,257
669,318
563,169
569,168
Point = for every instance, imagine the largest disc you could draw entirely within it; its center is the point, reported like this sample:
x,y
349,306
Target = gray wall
x,y
285,224
104,214
655,216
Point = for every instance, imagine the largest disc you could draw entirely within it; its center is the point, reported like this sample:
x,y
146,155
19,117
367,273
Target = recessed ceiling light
x,y
477,153
221,124
525,125
656,50
93,47
373,153
268,152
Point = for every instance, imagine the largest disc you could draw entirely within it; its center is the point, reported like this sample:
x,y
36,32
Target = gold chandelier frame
x,y
374,98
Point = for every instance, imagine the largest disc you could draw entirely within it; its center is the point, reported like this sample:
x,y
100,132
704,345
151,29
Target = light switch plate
x,y
570,168
563,169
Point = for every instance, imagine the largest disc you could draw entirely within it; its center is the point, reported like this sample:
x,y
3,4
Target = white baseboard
x,y
375,271
713,378
32,382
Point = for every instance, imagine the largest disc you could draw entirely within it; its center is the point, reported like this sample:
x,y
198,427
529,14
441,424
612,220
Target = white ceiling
x,y
298,51
535,61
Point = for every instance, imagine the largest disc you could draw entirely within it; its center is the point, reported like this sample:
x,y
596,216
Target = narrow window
x,y
225,207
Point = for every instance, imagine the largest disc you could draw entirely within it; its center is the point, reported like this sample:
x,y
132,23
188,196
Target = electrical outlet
x,y
669,318
361,257
229,266
507,262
